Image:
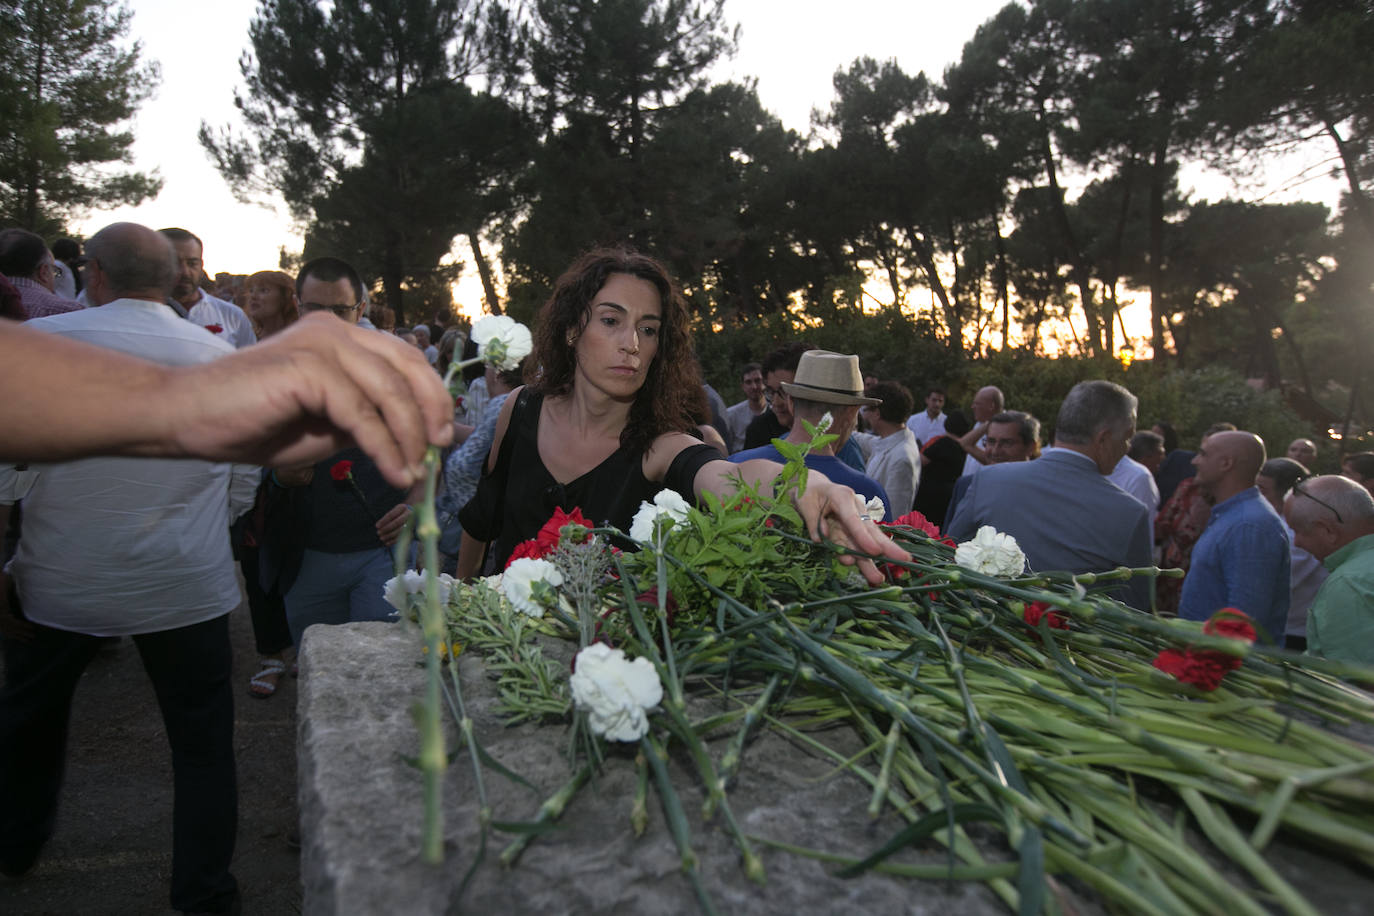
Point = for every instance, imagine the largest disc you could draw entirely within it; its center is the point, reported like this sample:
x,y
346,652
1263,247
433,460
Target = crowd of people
x,y
300,464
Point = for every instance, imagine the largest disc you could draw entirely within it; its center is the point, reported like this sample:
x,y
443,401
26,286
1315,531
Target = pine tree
x,y
68,85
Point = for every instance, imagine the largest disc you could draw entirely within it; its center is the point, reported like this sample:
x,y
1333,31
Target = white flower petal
x,y
615,691
991,553
667,505
502,341
519,579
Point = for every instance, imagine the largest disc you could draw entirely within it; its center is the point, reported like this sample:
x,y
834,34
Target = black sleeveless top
x,y
516,497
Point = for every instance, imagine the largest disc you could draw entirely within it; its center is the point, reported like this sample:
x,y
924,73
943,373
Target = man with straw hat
x,y
827,383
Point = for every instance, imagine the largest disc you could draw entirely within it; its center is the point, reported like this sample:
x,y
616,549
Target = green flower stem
x,y
676,818
433,757
894,731
1223,834
681,726
639,810
901,870
730,762
550,811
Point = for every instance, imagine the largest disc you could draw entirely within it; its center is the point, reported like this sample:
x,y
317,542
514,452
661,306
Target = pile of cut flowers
x,y
1081,736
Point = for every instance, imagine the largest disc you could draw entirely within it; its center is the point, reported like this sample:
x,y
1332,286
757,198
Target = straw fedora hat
x,y
830,378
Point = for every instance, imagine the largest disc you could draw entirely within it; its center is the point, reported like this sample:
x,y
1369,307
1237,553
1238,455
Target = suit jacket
x,y
1064,514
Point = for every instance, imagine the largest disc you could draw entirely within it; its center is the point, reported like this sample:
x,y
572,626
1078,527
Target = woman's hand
x,y
830,511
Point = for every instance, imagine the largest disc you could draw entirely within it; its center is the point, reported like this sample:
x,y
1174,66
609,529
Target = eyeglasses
x,y
1298,489
343,311
770,393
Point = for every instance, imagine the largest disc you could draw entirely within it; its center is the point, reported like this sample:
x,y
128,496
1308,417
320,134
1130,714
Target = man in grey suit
x,y
1061,508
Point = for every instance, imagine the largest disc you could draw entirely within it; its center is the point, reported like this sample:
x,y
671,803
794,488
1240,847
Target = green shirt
x,y
1340,623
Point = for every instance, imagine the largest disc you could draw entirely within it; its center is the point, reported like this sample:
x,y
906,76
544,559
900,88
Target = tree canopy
x,y
1016,202
69,83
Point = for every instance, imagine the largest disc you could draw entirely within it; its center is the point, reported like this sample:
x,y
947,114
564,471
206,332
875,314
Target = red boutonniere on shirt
x,y
1205,668
214,329
342,472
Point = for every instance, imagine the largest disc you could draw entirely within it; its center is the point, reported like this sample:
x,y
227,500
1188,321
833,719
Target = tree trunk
x,y
1156,274
937,286
1003,286
1082,270
1361,201
484,271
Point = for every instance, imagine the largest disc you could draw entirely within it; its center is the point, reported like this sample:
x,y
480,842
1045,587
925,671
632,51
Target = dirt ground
x,y
111,854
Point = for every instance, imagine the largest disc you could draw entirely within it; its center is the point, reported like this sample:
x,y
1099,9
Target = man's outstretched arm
x,y
293,399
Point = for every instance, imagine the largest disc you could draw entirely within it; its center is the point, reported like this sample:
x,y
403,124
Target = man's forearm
x,y
77,400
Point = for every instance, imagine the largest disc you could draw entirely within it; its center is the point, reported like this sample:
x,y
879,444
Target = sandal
x,y
263,684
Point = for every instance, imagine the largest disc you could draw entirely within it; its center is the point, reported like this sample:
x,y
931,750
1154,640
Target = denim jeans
x,y
339,588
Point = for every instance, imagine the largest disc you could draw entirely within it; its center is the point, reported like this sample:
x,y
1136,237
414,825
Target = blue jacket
x,y
1064,514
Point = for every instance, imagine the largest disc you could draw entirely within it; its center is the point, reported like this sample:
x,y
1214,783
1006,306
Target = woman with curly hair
x,y
603,424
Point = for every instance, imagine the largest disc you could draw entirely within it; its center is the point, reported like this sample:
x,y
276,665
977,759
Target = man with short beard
x,y
1242,559
224,319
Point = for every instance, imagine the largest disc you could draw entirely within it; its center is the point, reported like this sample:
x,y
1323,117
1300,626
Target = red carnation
x,y
1205,668
914,519
1036,610
525,550
552,532
1230,622
341,471
214,329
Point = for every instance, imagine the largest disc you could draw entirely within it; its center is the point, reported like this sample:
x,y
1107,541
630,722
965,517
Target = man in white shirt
x,y
124,547
894,459
1135,478
930,422
740,415
224,319
987,403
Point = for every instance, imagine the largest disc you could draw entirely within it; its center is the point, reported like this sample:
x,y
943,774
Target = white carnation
x,y
502,341
519,581
667,505
992,553
616,692
398,589
873,508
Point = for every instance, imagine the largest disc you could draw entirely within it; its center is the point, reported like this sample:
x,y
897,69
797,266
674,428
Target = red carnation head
x,y
341,471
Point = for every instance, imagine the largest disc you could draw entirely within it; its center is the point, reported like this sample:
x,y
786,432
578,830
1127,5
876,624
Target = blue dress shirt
x,y
1241,561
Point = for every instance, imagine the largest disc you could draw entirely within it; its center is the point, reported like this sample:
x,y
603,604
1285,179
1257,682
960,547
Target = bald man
x,y
1242,559
1333,519
987,403
1303,451
124,547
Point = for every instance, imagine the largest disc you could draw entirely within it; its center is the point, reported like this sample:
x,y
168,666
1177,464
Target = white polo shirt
x,y
118,546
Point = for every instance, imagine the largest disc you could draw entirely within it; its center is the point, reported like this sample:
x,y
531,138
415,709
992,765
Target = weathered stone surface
x,y
361,810
360,806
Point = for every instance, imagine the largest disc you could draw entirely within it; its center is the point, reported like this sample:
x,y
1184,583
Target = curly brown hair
x,y
673,382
